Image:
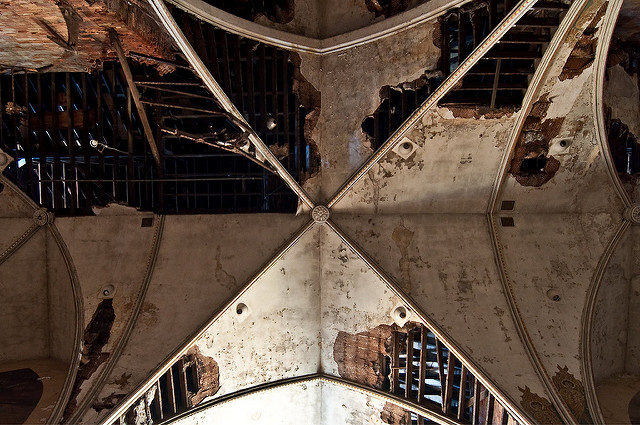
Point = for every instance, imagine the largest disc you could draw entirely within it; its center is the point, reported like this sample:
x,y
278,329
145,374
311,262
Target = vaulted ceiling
x,y
465,186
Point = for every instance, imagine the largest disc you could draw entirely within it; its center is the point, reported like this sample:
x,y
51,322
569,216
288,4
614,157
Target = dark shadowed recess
x,y
78,142
634,409
20,392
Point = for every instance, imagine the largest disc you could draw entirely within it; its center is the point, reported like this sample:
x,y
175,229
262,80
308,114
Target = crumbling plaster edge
x,y
510,404
191,341
597,91
587,322
124,339
374,32
58,408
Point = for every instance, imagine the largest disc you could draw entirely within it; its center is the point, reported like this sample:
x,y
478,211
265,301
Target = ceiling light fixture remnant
x,y
405,148
107,292
400,315
320,214
553,295
271,122
100,147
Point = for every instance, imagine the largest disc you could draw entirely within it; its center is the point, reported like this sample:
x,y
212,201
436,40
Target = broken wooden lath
x,y
423,370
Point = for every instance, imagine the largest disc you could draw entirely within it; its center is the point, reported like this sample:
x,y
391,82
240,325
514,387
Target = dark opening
x,y
507,221
20,391
533,164
507,205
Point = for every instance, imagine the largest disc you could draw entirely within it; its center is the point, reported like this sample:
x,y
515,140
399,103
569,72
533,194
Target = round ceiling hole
x,y
241,309
553,295
400,315
405,148
107,291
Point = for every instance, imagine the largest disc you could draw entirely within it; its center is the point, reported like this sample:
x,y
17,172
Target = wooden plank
x,y
489,410
71,145
422,374
158,400
395,362
451,362
182,378
496,81
135,95
409,365
440,371
462,399
476,402
172,391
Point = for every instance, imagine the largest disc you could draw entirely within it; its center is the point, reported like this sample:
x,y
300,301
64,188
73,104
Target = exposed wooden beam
x,y
135,94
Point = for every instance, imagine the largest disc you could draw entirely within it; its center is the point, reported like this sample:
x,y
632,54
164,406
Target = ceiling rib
x,y
598,94
299,43
567,23
439,333
203,72
492,39
76,417
320,377
587,319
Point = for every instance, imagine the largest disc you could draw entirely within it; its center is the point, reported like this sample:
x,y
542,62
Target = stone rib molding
x,y
525,338
587,322
303,44
480,374
597,103
186,345
329,379
117,351
18,242
221,97
58,409
602,51
491,40
534,88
